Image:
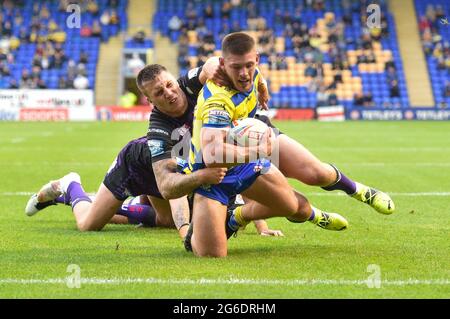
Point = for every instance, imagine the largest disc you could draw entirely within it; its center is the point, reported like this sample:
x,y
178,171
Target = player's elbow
x,y
168,194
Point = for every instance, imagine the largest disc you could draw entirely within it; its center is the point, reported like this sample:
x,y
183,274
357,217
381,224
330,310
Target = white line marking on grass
x,y
383,149
56,163
17,140
231,281
444,194
381,164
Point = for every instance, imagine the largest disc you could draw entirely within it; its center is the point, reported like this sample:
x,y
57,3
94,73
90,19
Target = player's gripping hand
x,y
267,144
264,230
215,72
211,175
263,95
272,232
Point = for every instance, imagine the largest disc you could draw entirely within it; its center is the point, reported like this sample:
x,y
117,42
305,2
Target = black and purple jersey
x,y
131,173
164,132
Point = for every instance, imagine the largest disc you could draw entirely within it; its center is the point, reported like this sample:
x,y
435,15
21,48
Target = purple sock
x,y
313,214
63,200
138,213
76,194
342,183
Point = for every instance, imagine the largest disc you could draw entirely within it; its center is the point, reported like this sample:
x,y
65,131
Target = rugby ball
x,y
248,132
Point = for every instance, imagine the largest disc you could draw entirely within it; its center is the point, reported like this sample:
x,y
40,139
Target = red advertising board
x,y
44,114
294,114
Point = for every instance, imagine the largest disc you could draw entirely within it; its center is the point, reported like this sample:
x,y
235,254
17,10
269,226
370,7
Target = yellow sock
x,y
238,216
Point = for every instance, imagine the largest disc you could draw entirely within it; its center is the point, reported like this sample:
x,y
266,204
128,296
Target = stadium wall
x,y
78,105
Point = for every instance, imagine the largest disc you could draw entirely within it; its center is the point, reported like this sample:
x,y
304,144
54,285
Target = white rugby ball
x,y
248,132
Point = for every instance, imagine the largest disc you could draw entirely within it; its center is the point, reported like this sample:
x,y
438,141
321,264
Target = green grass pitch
x,y
405,255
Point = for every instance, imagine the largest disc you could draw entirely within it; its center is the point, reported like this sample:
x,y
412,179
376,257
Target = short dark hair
x,y
237,43
149,73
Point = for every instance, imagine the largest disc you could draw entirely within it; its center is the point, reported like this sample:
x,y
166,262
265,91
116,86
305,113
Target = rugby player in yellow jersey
x,y
217,107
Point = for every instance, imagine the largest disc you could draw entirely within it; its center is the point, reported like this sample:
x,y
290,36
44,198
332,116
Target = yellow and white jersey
x,y
217,106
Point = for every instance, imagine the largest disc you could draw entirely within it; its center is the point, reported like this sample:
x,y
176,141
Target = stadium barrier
x,y
47,105
424,114
331,113
117,113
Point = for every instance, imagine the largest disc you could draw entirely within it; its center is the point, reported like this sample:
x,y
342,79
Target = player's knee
x,y
303,208
85,226
212,253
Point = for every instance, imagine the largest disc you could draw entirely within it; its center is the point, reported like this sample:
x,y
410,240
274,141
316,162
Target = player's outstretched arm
x,y
264,230
173,185
180,214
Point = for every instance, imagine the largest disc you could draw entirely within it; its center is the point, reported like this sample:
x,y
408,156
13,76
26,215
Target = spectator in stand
x,y
105,18
128,99
252,16
13,84
391,74
322,96
424,24
114,18
58,61
440,13
113,3
81,82
225,10
175,24
208,12
24,37
86,30
62,83
7,30
135,64
139,37
358,99
96,29
394,90
389,64
311,70
83,57
41,84
72,69
92,8
333,99
368,99
4,69
447,89
35,72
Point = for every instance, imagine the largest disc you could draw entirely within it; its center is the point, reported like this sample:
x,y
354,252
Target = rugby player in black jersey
x,y
131,174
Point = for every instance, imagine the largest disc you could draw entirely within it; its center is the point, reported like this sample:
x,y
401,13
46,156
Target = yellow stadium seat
x,y
363,67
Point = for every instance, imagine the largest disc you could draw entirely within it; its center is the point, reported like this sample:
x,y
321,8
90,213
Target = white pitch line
x,y
444,194
231,281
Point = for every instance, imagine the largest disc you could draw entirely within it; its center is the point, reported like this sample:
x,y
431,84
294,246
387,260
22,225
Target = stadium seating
x,y
438,28
73,44
289,86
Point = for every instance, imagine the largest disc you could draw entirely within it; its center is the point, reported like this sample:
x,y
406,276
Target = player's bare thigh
x,y
95,215
209,237
281,202
297,162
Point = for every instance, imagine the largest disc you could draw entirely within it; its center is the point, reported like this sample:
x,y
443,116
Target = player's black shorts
x,y
131,173
265,119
